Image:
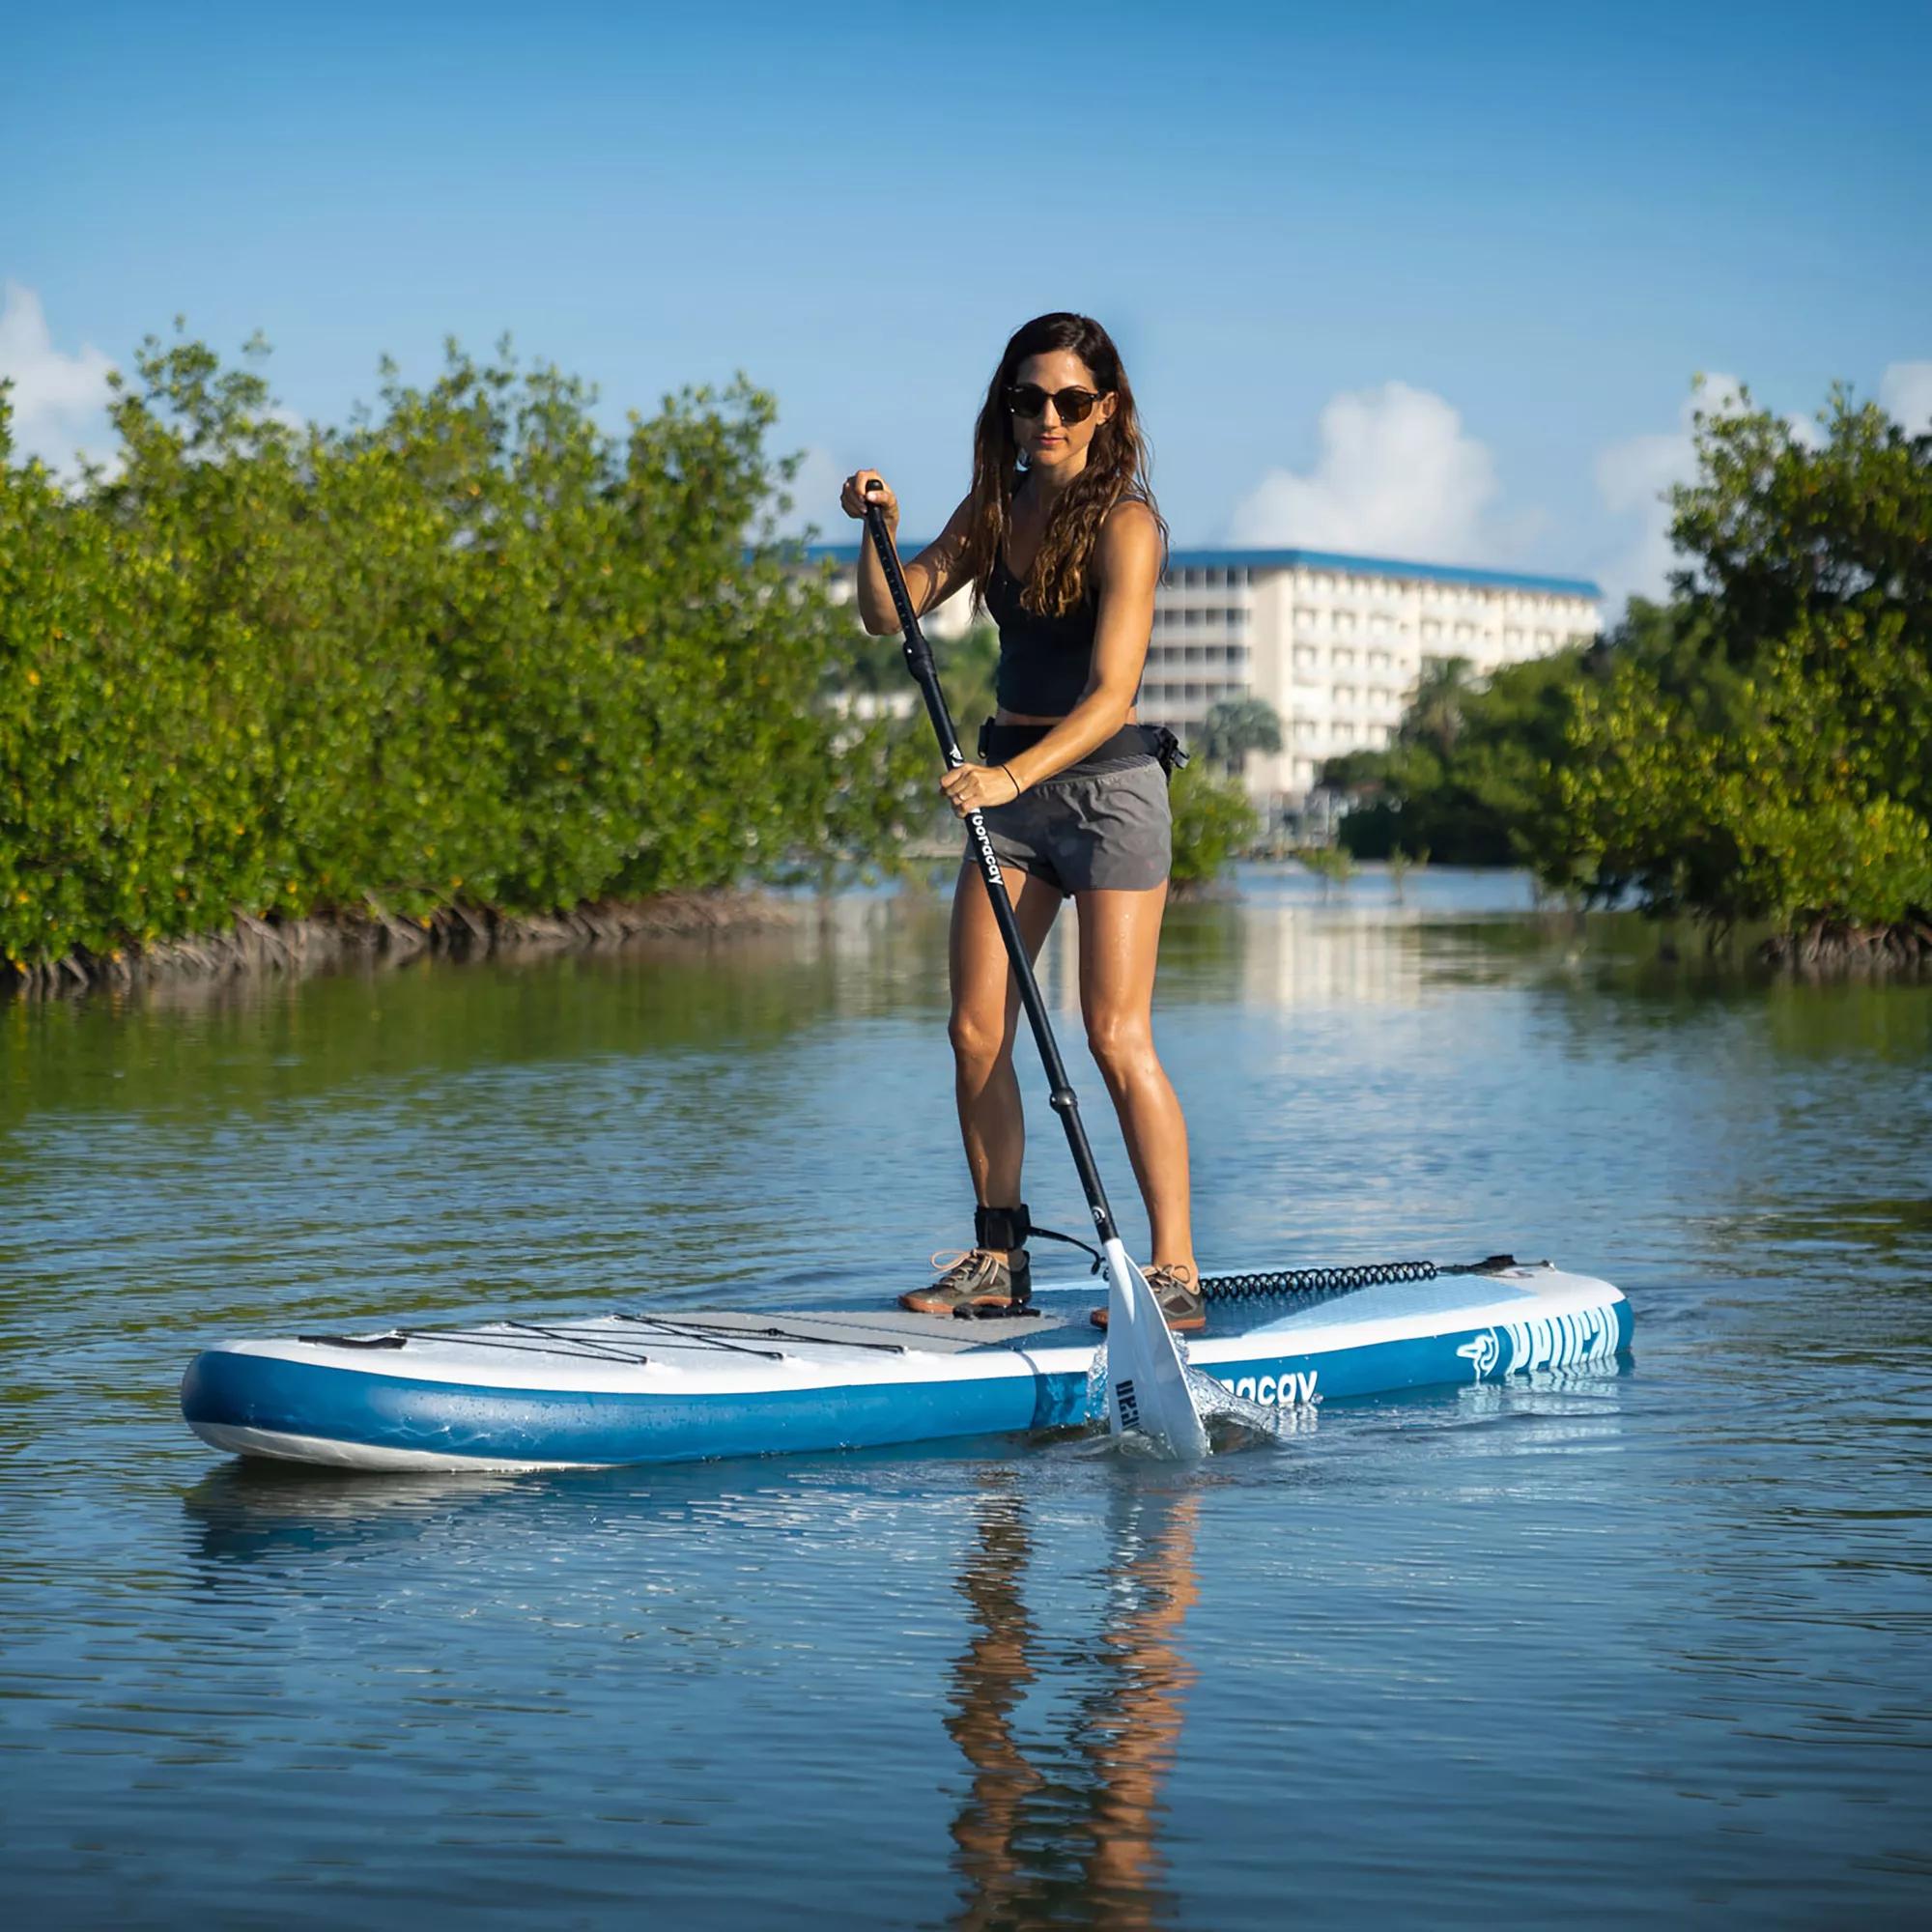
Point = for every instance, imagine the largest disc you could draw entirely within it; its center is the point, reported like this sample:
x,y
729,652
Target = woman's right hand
x,y
853,500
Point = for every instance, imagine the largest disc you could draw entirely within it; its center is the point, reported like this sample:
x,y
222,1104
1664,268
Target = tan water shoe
x,y
973,1281
1178,1294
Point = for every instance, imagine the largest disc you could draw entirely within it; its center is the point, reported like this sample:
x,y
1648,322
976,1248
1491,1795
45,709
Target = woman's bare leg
x,y
1120,942
985,1013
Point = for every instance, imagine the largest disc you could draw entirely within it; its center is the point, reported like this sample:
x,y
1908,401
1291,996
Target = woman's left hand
x,y
976,788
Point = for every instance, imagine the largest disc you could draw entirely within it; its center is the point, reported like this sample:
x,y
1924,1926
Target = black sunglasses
x,y
1029,399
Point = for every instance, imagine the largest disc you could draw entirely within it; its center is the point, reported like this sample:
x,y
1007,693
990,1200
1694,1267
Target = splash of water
x,y
1235,1422
1096,1388
1232,1422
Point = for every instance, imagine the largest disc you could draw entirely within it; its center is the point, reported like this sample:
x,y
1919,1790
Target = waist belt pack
x,y
1131,742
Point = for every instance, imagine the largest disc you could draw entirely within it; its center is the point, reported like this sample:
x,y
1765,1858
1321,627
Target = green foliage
x,y
471,648
1762,754
1760,749
1331,863
1792,812
1212,823
1780,526
1467,776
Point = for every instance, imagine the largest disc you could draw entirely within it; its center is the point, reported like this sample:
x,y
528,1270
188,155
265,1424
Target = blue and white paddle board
x,y
671,1386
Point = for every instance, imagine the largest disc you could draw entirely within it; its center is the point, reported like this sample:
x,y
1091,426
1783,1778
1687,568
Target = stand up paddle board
x,y
673,1386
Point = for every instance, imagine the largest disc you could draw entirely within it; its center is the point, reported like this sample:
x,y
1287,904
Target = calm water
x,y
1641,1643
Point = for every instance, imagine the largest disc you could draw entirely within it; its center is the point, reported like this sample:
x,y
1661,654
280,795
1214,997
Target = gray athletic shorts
x,y
1104,830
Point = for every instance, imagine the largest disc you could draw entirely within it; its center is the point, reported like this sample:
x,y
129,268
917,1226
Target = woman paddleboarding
x,y
1063,543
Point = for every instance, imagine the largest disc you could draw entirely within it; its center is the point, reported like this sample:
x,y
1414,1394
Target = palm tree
x,y
1236,726
1435,712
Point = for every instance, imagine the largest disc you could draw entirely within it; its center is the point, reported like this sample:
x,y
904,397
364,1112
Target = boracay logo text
x,y
1291,1385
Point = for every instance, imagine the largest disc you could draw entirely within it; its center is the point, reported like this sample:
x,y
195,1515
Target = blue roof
x,y
1312,559
1379,566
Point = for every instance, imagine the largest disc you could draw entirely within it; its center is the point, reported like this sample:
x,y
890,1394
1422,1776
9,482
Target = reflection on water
x,y
245,1513
1668,1621
1063,1830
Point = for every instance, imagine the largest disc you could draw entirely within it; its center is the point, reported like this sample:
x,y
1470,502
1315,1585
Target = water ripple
x,y
1668,1621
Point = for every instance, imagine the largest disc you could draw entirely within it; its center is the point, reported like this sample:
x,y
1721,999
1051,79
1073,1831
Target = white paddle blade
x,y
1147,1387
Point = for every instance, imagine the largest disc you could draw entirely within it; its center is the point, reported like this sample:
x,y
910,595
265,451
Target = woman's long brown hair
x,y
1117,469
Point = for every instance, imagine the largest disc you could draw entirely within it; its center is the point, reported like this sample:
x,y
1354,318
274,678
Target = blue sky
x,y
1421,280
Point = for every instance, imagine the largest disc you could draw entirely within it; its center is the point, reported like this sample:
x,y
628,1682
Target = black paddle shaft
x,y
926,673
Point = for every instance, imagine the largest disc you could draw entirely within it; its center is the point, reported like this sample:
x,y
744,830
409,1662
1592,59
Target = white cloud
x,y
59,400
1397,475
814,493
1633,478
1904,394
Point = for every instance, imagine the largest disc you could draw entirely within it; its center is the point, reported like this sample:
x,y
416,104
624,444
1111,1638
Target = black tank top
x,y
1044,661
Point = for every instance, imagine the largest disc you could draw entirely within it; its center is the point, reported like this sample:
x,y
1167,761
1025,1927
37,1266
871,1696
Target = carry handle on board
x,y
1147,1384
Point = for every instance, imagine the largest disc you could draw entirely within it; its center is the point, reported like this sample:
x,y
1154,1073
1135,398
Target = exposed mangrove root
x,y
1830,949
301,946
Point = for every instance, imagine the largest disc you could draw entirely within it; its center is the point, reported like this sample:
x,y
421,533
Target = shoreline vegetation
x,y
473,673
301,946
470,672
1753,754
469,667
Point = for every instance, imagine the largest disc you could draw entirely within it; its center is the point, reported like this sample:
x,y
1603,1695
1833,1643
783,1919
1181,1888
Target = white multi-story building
x,y
1333,643
1336,643
952,619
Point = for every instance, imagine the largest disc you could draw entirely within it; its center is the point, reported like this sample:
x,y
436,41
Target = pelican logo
x,y
1130,1409
1482,1352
